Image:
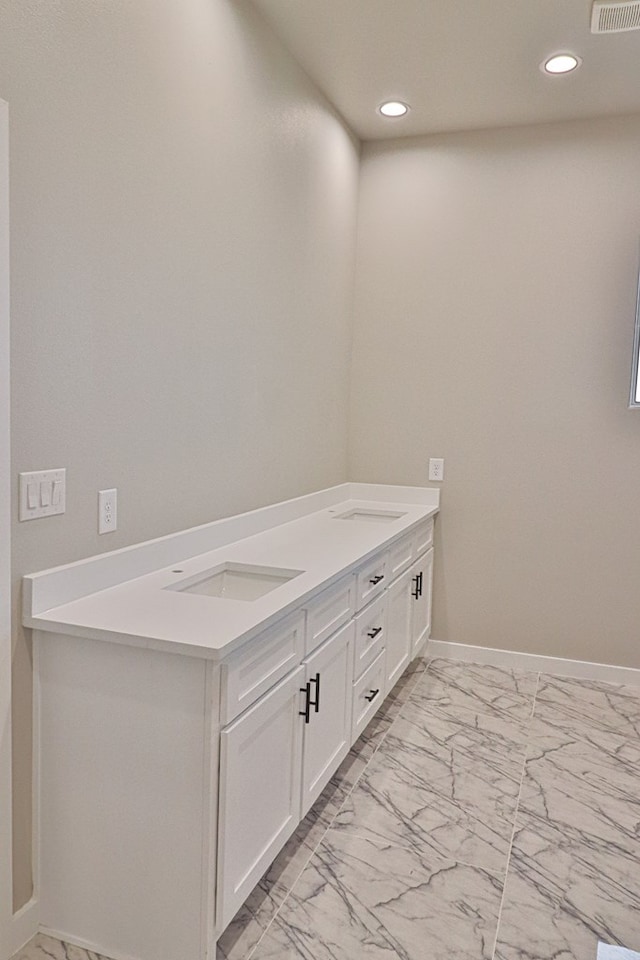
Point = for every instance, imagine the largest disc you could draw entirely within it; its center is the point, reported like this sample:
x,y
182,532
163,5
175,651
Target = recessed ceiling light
x,y
560,63
393,108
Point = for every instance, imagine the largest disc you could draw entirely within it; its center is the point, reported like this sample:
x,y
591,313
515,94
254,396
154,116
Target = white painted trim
x,y
15,929
24,926
536,663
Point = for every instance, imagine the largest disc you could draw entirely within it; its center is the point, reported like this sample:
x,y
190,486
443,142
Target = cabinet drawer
x,y
371,580
327,612
262,662
368,694
371,628
401,556
423,538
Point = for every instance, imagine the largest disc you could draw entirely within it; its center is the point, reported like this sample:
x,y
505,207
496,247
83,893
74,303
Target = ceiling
x,y
460,64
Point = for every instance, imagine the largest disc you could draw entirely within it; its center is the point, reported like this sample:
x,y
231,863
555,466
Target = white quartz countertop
x,y
140,611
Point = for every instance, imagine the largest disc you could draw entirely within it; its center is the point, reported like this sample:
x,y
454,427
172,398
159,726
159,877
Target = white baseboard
x,y
24,926
580,669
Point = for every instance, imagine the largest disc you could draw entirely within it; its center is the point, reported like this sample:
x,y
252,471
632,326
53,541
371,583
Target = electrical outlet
x,y
107,510
436,469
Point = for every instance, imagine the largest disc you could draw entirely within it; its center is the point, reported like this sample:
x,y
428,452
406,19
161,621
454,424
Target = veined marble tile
x,y
587,786
47,948
476,763
562,896
568,863
579,705
535,926
397,802
456,687
485,745
360,901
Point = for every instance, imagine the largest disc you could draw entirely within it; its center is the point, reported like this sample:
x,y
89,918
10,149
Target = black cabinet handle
x,y
374,633
416,592
307,706
315,703
372,695
377,579
420,584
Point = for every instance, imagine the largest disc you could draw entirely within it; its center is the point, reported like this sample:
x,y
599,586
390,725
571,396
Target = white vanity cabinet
x,y
175,762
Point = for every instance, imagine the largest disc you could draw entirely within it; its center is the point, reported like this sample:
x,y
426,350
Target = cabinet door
x,y
422,578
260,760
399,627
327,732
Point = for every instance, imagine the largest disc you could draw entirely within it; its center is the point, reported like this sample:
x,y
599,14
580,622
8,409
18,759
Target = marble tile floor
x,y
485,814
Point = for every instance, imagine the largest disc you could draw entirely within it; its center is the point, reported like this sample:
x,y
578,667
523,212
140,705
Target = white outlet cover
x,y
49,499
436,469
107,510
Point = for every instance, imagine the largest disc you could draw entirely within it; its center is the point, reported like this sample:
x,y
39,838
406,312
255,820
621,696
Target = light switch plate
x,y
42,494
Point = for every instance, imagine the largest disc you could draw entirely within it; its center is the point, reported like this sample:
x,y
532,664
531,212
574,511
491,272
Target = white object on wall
x,y
42,494
107,510
436,469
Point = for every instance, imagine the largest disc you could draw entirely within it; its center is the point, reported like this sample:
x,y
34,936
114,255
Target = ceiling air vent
x,y
615,17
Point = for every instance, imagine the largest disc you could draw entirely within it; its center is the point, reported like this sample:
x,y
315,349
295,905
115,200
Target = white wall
x,y
183,222
495,303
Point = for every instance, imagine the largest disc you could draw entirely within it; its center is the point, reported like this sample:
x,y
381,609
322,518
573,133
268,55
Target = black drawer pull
x,y
315,703
374,633
420,584
307,707
377,579
416,593
372,695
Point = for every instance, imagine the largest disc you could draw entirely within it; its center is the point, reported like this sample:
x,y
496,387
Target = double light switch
x,y
42,494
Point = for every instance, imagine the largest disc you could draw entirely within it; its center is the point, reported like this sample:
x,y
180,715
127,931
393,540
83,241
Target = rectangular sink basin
x,y
235,581
370,516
